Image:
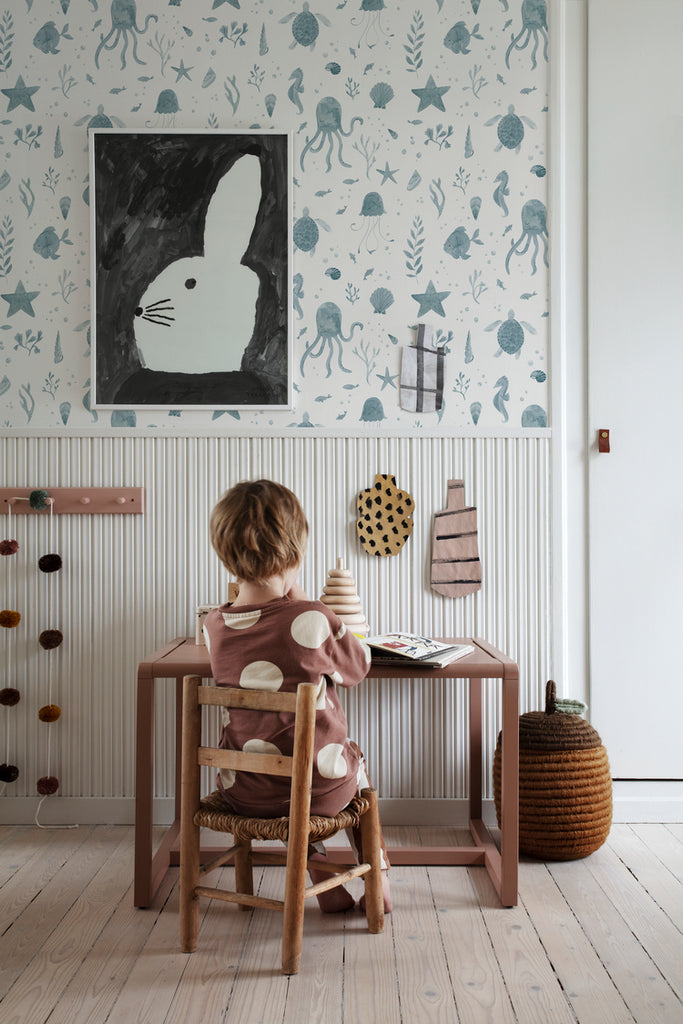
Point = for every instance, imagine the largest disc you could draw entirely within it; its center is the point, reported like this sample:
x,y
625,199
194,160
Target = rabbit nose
x,y
138,310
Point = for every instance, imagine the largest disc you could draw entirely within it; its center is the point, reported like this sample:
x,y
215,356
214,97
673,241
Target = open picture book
x,y
404,648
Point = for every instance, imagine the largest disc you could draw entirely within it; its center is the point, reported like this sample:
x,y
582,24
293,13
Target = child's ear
x,y
233,207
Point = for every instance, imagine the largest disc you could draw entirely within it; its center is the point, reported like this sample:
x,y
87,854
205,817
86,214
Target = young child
x,y
273,637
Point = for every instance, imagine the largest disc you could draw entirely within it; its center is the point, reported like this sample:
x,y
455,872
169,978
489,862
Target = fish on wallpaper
x,y
47,38
48,242
191,305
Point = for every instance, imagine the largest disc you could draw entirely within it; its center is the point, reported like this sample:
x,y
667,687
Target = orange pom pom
x,y
49,713
9,619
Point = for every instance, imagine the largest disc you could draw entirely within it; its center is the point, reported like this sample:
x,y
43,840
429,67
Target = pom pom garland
x,y
49,713
9,619
50,638
50,563
47,785
38,500
9,547
9,696
8,773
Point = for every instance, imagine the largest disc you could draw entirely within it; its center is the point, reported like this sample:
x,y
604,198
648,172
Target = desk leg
x,y
475,749
509,799
144,785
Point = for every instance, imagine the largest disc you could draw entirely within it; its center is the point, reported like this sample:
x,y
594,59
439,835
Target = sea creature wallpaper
x,y
418,138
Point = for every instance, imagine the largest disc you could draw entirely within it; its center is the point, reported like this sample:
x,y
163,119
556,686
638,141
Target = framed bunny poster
x,y
192,269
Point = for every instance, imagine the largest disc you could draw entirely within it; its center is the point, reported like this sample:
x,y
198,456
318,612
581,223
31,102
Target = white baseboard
x,y
644,801
647,801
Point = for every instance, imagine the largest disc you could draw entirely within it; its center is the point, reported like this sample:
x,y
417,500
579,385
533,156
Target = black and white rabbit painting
x,y
192,269
198,313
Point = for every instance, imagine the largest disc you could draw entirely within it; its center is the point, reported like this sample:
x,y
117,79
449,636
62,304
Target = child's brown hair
x,y
258,530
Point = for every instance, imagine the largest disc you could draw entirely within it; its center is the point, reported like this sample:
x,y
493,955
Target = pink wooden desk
x,y
182,657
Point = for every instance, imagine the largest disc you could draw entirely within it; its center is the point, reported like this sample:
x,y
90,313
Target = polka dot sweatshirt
x,y
276,646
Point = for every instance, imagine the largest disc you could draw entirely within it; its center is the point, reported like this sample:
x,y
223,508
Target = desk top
x,y
183,656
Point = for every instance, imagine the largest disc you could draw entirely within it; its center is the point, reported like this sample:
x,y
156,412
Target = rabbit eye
x,y
190,283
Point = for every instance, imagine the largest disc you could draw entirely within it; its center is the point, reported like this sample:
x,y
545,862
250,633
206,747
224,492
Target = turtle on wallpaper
x,y
192,271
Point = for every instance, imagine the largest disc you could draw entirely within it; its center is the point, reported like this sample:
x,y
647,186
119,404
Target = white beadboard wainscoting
x,y
131,582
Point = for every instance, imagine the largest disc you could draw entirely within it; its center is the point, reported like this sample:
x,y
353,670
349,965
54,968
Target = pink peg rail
x,y
75,500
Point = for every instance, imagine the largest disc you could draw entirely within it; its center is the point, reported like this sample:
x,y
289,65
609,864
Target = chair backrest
x,y
299,767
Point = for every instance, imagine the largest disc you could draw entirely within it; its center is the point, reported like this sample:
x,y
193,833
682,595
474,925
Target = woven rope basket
x,y
565,786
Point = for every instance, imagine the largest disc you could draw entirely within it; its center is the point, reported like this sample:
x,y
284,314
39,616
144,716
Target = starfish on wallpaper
x,y
182,72
387,174
20,299
20,95
218,3
431,95
430,300
387,378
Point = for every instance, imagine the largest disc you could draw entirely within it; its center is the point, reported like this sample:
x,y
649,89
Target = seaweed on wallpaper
x,y
6,40
6,245
416,38
414,247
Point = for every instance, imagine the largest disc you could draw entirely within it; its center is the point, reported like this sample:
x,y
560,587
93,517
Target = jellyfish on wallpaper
x,y
373,211
534,416
124,24
370,22
166,109
328,115
328,321
373,411
534,229
534,25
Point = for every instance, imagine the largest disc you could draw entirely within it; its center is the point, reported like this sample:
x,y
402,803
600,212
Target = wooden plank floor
x,y
596,941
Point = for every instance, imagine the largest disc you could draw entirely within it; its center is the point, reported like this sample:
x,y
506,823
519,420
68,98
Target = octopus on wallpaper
x,y
192,276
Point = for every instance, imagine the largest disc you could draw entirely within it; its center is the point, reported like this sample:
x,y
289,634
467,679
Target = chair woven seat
x,y
214,814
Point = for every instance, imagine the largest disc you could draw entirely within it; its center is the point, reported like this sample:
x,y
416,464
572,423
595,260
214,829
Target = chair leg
x,y
244,878
370,838
189,879
293,916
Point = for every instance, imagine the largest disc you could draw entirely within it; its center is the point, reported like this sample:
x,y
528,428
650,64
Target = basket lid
x,y
554,730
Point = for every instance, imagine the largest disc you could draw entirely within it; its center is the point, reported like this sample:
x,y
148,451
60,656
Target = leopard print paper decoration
x,y
384,516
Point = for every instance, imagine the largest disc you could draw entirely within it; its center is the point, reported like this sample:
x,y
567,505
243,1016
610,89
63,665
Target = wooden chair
x,y
298,830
